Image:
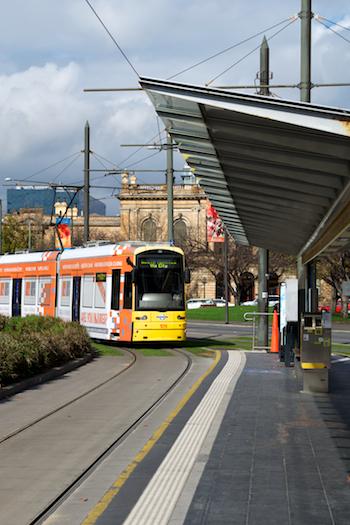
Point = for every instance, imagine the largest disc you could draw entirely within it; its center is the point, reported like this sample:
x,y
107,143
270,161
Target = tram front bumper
x,y
173,328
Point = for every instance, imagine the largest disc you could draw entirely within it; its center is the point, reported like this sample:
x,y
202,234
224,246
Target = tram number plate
x,y
164,326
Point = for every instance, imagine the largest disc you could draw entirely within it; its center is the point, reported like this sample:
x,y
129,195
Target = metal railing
x,y
254,316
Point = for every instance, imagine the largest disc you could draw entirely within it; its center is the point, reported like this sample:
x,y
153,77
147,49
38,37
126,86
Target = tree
x,y
14,234
242,262
334,269
279,264
23,232
200,255
95,234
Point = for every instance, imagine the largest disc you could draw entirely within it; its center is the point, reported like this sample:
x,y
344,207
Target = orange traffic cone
x,y
274,348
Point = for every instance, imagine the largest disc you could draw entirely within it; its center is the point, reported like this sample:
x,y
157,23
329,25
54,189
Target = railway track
x,y
71,401
118,440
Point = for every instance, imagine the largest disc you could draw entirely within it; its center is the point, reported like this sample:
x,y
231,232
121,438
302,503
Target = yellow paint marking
x,y
101,506
310,366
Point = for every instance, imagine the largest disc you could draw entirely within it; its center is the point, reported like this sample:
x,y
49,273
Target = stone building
x,y
143,211
143,216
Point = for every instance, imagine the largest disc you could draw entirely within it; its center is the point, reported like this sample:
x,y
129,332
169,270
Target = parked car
x,y
273,300
219,302
254,302
199,303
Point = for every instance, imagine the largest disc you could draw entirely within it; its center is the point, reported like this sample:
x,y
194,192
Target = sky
x,y
51,51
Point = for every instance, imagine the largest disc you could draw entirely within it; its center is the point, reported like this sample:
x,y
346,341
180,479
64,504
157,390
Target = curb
x,y
38,379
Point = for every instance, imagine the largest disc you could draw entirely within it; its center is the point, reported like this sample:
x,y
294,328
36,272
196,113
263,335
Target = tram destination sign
x,y
159,263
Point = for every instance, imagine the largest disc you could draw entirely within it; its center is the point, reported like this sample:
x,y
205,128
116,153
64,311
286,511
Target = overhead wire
x,y
114,164
330,29
51,165
104,166
65,168
148,143
233,46
250,52
144,158
318,17
112,38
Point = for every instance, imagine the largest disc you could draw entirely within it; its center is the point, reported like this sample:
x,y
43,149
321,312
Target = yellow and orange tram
x,y
131,291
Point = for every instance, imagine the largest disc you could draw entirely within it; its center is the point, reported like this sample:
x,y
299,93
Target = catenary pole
x,y
305,16
170,188
263,255
305,96
86,181
226,276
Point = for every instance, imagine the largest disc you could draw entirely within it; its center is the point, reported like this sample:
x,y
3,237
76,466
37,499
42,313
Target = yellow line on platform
x,y
101,506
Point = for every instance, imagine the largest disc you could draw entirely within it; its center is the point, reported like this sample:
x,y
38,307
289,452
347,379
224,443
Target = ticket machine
x,y
315,350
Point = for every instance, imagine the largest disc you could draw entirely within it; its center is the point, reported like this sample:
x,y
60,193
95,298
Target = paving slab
x,y
278,455
44,459
79,504
22,408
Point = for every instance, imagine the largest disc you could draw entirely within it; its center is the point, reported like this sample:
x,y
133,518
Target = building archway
x,y
149,230
180,232
247,292
220,286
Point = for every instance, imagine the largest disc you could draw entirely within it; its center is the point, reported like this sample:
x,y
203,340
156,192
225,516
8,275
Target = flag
x,y
64,231
215,228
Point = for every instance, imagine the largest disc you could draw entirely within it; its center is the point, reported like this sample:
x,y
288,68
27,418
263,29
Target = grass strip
x,y
197,346
236,314
340,349
103,349
214,313
154,352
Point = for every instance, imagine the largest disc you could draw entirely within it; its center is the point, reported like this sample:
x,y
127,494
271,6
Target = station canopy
x,y
277,171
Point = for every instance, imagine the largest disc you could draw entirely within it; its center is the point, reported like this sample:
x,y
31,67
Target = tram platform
x,y
281,456
249,447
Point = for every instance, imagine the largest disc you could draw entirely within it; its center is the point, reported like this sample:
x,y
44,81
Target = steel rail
x,y
73,485
77,398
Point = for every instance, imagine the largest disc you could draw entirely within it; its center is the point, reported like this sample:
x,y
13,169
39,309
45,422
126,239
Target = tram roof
x,y
277,171
27,257
105,250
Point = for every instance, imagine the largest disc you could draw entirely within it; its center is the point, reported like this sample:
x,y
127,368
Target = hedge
x,y
30,345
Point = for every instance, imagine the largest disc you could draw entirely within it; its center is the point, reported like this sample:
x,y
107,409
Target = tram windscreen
x,y
160,282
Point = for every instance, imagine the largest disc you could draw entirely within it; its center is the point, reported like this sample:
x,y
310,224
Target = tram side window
x,y
4,291
65,291
100,290
115,289
127,291
29,291
88,291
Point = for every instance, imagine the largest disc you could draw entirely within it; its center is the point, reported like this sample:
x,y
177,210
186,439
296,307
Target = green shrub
x,y
30,345
3,321
33,323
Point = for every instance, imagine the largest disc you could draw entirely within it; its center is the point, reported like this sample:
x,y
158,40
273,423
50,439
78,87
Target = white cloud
x,y
55,49
37,106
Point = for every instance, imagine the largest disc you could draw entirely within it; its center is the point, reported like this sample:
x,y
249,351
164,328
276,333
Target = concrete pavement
x,y
42,461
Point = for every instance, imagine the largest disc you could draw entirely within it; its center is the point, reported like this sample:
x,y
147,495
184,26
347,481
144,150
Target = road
x,y
340,333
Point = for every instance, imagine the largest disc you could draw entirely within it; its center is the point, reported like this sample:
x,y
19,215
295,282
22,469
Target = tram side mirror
x,y
187,275
134,275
